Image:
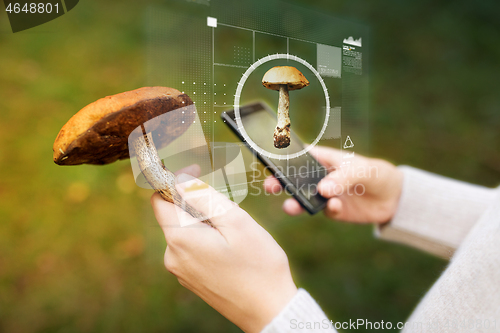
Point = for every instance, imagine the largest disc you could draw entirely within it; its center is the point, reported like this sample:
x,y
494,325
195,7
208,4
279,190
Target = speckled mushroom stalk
x,y
159,177
282,130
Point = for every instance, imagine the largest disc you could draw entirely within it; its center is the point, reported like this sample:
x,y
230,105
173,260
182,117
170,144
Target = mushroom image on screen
x,y
283,79
99,134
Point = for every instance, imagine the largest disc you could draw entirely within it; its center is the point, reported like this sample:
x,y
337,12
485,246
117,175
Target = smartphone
x,y
300,175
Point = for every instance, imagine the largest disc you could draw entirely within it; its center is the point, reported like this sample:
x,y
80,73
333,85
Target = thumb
x,y
205,199
341,180
328,157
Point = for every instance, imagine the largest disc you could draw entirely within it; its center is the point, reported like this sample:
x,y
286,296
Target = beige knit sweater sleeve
x,y
435,213
447,218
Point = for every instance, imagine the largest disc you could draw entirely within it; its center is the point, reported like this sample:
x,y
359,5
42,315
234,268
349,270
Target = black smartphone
x,y
299,175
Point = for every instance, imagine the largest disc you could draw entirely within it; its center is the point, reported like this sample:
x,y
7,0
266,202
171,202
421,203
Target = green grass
x,y
93,261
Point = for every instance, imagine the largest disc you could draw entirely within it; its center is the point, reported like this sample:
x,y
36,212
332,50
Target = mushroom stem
x,y
159,177
282,131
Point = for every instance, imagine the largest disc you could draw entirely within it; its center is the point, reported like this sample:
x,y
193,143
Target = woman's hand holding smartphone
x,y
366,191
299,175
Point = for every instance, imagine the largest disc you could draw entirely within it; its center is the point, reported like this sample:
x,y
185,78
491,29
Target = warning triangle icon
x,y
348,143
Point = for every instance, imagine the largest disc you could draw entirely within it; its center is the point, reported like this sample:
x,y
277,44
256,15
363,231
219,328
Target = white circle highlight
x,y
236,103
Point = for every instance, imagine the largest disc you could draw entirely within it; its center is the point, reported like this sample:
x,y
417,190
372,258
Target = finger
x,y
166,215
193,170
344,178
170,261
169,216
326,156
164,212
207,200
292,207
329,188
272,185
333,208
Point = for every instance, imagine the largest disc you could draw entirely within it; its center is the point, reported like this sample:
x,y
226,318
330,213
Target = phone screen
x,y
301,174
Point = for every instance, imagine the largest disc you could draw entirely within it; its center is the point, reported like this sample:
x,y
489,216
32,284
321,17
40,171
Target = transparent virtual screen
x,y
204,49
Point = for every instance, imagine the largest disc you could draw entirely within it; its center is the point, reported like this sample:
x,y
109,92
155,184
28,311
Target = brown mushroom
x,y
283,79
99,134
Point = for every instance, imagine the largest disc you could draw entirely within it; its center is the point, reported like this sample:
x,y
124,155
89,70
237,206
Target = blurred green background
x,y
79,247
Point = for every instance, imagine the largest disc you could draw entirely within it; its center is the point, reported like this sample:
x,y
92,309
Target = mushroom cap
x,y
98,133
288,75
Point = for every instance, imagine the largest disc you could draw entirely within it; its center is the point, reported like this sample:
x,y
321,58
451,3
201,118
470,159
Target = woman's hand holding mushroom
x,y
238,268
367,191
